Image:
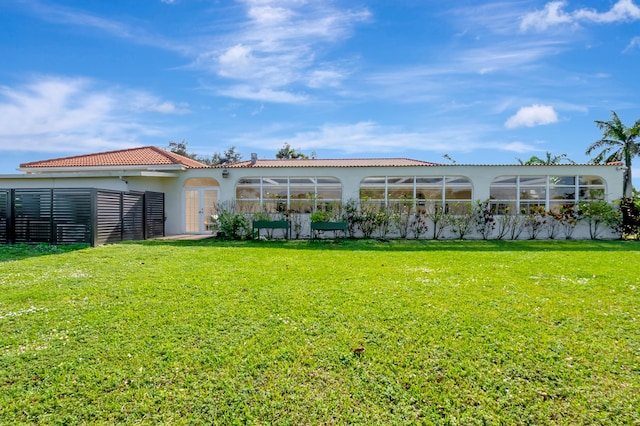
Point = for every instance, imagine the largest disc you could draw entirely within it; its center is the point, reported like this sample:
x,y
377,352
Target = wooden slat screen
x,y
108,217
72,215
79,215
32,215
154,214
133,216
4,215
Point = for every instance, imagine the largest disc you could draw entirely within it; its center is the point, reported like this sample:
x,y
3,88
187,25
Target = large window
x,y
518,194
280,194
453,193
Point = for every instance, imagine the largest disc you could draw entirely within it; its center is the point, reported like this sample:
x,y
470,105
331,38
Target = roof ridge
x,y
334,159
173,156
332,162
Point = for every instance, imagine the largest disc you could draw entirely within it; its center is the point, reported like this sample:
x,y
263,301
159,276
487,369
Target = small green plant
x,y
382,223
439,218
485,222
230,224
516,225
351,215
534,221
296,223
630,224
599,215
261,216
235,225
553,224
568,220
419,225
401,217
462,222
321,216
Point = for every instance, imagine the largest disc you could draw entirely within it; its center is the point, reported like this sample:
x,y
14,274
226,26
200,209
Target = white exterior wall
x,y
167,185
172,185
26,182
480,176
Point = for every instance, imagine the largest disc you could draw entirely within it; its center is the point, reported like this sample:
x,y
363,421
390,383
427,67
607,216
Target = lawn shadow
x,y
412,245
13,252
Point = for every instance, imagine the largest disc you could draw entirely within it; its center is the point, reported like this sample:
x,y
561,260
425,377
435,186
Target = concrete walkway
x,y
186,237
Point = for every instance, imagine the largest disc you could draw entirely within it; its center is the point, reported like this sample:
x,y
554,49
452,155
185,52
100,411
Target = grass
x,y
208,332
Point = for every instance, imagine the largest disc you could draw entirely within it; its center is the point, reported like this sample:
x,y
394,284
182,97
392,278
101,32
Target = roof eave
x,y
92,174
90,169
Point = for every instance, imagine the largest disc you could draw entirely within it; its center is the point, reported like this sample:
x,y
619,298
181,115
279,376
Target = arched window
x,y
453,193
279,194
518,194
200,182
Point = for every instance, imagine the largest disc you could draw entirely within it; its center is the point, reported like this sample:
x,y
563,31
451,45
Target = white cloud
x,y
51,113
633,44
622,11
237,61
262,94
279,46
168,1
64,15
554,14
534,115
362,138
325,78
519,147
166,108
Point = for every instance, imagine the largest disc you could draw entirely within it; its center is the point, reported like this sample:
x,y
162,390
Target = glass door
x,y
200,204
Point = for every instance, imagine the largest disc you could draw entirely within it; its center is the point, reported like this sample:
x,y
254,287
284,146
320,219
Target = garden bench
x,y
272,224
328,226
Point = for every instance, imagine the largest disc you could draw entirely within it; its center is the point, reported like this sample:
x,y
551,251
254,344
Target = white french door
x,y
199,207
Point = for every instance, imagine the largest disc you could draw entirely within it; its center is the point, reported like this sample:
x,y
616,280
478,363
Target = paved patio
x,y
186,237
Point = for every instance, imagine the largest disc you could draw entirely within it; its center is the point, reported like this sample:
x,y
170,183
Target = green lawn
x,y
454,332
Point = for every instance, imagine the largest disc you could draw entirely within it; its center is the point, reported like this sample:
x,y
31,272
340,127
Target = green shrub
x,y
321,216
630,225
484,218
599,215
234,226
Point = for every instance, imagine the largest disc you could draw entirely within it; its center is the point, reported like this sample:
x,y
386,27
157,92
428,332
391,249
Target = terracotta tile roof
x,y
353,162
143,156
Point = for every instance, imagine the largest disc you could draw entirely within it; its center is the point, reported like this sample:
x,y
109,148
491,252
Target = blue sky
x,y
483,82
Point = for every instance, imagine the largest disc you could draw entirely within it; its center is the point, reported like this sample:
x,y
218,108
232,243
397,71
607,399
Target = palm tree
x,y
549,160
617,144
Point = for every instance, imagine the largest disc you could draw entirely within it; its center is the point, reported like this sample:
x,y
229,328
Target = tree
x,y
448,157
286,152
549,160
180,148
217,159
618,143
599,215
227,157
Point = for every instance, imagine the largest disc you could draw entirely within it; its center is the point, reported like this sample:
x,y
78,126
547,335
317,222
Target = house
x,y
188,192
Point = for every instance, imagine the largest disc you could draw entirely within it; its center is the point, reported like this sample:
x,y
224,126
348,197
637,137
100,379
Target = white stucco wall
x,y
480,176
172,185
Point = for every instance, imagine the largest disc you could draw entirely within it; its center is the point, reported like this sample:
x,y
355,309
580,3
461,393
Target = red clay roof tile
x,y
143,156
353,162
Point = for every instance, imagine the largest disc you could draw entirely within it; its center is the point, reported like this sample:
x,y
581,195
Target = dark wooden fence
x,y
79,215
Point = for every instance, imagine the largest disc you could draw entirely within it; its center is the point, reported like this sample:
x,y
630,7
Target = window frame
x,y
420,187
281,187
526,184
